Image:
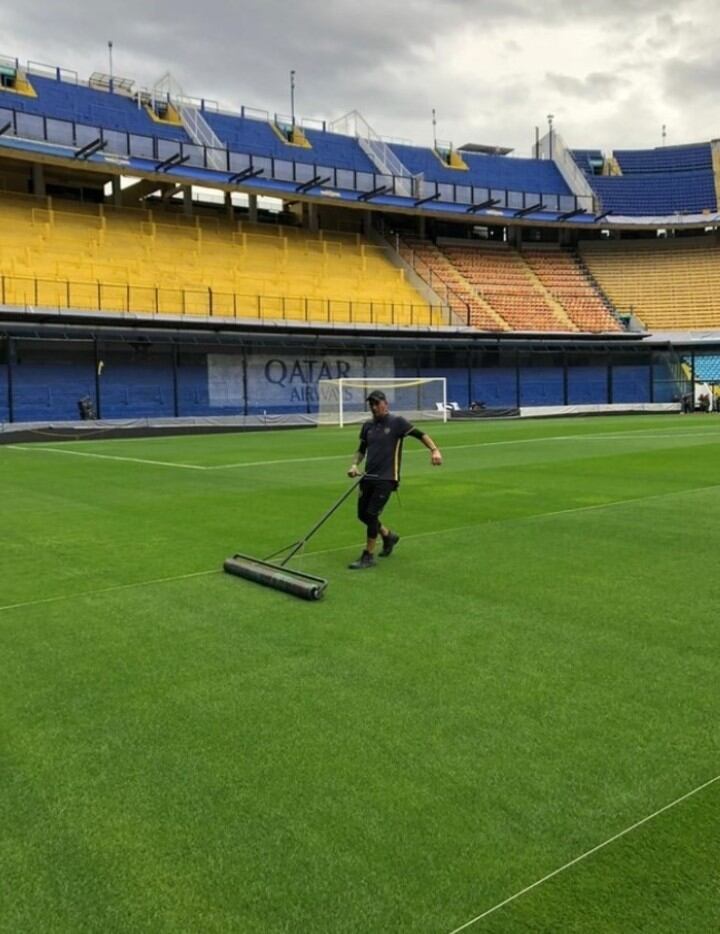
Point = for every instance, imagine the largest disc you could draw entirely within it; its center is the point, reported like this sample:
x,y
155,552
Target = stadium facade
x,y
143,277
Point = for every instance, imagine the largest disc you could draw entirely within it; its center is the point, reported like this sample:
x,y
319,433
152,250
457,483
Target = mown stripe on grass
x,y
461,528
641,434
622,436
595,849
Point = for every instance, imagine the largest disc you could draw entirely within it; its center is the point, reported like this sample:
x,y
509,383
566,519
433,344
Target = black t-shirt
x,y
381,441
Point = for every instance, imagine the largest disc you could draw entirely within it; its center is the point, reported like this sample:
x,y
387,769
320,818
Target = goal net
x,y
343,401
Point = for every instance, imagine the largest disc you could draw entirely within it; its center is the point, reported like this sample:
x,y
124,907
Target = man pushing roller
x,y
381,439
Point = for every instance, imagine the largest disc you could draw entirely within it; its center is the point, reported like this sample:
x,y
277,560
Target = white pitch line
x,y
701,434
91,593
587,853
287,460
479,444
106,457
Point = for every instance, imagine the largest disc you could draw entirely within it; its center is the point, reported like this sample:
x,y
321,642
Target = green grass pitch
x,y
532,672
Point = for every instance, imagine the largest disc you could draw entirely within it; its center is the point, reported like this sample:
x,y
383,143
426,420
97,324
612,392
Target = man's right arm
x,y
358,457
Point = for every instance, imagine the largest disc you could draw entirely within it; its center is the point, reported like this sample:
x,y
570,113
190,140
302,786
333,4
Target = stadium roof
x,y
486,150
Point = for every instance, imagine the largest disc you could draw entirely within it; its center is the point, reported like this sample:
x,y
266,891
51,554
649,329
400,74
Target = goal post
x,y
343,401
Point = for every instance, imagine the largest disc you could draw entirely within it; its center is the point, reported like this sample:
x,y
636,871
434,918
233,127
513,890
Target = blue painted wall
x,y
587,385
630,384
140,383
4,410
47,387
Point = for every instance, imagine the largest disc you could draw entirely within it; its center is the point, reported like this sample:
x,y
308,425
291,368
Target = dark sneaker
x,y
365,560
388,544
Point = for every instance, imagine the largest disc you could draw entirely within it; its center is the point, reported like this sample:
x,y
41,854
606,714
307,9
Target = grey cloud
x,y
393,62
686,80
597,86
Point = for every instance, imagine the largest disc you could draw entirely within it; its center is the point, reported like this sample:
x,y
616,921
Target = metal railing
x,y
458,305
552,146
375,148
34,293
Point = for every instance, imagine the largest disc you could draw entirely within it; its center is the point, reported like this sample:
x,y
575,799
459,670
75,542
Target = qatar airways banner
x,y
285,382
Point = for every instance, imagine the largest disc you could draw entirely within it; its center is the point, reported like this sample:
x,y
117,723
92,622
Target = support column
x,y
10,363
176,395
252,209
98,370
421,226
116,191
514,236
367,223
187,200
38,180
229,205
310,217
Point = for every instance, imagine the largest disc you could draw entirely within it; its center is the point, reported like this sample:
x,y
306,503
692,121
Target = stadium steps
x,y
557,307
562,273
499,275
432,265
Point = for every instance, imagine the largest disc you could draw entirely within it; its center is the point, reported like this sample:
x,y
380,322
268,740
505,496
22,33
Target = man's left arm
x,y
435,455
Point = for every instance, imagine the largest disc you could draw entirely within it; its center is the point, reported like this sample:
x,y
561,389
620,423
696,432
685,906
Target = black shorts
x,y
374,495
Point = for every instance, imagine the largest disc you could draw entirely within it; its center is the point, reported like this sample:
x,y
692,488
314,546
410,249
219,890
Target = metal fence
x,y
67,295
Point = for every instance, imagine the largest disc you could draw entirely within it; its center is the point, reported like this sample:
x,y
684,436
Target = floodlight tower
x,y
292,99
550,118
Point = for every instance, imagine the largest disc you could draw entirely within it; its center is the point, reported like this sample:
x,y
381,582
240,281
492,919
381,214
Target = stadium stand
x,y
72,255
657,194
589,160
707,368
653,182
671,285
486,171
504,289
257,137
689,158
506,283
62,100
561,272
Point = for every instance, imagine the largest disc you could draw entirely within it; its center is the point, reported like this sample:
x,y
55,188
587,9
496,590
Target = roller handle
x,y
298,545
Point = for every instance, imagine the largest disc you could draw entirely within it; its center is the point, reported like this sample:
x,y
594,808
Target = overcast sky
x,y
612,71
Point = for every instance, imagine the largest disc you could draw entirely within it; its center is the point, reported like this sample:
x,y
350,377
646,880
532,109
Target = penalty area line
x,y
595,849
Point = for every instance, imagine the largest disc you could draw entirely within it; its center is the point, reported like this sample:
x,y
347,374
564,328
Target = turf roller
x,y
279,576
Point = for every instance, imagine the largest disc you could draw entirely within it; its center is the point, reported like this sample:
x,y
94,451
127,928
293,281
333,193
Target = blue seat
x,y
707,368
587,159
499,172
657,193
64,101
690,158
258,138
